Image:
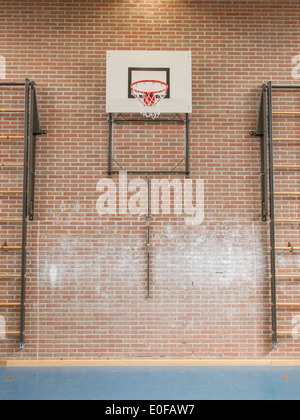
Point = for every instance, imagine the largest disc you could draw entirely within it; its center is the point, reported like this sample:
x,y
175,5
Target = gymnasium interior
x,y
149,190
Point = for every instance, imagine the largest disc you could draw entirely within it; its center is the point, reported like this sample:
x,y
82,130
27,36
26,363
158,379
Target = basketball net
x,y
149,94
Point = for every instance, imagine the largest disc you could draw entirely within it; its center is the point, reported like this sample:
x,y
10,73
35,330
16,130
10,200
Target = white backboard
x,y
126,67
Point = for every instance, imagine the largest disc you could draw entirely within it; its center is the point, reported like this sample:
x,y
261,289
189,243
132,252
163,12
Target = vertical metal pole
x,y
24,225
110,138
264,154
32,147
187,145
272,217
148,238
262,132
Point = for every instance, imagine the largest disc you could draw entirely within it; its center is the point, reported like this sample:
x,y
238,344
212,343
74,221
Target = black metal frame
x,y
12,83
31,130
148,237
272,219
35,130
262,132
144,69
265,131
121,119
24,216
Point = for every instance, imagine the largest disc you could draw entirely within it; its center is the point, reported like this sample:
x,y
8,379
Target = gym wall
x,y
210,294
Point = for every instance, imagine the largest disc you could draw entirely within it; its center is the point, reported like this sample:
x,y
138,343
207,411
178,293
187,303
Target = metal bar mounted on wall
x,y
286,86
35,130
187,145
121,119
262,132
12,83
265,131
31,129
272,218
148,237
24,223
275,276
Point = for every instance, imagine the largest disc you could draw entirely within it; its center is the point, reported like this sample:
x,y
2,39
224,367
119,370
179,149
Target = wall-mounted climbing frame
x,y
31,130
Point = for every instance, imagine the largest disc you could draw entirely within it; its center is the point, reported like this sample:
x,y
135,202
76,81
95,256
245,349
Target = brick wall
x,y
210,284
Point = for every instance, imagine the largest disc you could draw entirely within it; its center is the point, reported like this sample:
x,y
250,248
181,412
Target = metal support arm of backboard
x,y
121,119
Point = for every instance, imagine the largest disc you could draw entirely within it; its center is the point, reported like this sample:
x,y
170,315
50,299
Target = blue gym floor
x,y
150,383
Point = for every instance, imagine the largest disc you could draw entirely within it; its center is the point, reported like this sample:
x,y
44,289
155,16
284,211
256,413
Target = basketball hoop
x,y
149,94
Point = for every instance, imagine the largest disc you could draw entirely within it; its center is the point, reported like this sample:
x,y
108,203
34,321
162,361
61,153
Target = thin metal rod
x,y
187,145
31,151
152,172
12,84
178,164
264,149
272,217
9,304
129,120
119,165
110,141
148,237
285,86
10,333
24,226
